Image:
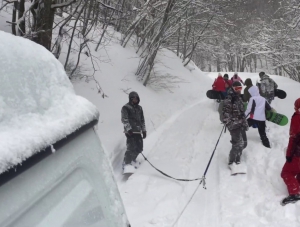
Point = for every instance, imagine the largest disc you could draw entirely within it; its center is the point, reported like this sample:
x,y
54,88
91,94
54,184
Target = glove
x,y
273,110
130,133
144,134
289,159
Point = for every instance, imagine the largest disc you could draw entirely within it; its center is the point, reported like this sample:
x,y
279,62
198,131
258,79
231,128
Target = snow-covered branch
x,y
63,4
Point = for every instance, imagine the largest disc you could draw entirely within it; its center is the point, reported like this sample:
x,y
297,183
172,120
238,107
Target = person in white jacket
x,y
256,110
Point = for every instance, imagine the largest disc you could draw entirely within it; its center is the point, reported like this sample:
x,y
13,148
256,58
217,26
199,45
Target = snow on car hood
x,y
38,105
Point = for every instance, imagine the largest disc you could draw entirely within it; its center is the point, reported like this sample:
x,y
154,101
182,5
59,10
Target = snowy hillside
x,y
183,128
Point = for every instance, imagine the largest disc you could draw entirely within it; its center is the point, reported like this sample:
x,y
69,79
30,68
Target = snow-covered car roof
x,y
38,105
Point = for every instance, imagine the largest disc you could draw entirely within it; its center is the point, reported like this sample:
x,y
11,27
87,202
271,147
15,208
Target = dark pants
x,y
134,145
239,143
220,110
261,126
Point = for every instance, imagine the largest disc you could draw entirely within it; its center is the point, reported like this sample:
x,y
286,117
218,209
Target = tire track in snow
x,y
207,201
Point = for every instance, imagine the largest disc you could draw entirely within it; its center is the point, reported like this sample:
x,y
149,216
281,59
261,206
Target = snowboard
x,y
280,93
238,169
276,118
129,169
211,94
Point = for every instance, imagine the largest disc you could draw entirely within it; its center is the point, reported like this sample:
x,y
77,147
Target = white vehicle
x,y
53,170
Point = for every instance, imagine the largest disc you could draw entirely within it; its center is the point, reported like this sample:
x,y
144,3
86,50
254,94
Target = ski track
x,y
189,161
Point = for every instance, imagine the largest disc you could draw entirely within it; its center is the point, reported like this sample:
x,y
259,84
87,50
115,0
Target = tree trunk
x,y
218,65
21,13
14,17
44,18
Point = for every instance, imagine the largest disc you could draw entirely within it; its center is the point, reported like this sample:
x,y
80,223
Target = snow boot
x,y
290,199
265,141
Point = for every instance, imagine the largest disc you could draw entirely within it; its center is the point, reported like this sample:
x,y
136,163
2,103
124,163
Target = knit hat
x,y
261,74
236,84
219,74
297,104
248,82
226,76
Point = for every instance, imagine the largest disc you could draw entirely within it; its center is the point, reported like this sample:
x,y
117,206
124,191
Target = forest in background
x,y
217,35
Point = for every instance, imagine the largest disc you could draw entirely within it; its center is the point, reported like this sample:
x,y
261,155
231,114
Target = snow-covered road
x,y
181,147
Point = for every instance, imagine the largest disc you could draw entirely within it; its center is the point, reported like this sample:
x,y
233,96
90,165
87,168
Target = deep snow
x,y
183,128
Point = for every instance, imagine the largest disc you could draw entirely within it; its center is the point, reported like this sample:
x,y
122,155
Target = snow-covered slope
x,y
183,128
118,78
248,200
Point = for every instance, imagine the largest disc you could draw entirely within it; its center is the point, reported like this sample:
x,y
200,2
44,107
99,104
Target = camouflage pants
x,y
220,110
134,147
239,143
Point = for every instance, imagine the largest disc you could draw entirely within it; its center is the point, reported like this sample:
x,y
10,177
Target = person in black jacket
x,y
247,96
132,117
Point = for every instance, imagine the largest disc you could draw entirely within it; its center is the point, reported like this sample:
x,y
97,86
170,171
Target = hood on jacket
x,y
134,94
254,91
220,78
264,77
248,82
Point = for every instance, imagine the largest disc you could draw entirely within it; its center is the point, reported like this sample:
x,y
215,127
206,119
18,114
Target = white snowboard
x,y
129,169
238,169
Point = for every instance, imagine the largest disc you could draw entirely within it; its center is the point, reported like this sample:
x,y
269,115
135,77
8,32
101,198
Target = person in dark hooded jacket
x,y
132,117
247,96
291,170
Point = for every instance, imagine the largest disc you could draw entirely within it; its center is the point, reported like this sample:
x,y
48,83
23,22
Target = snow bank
x,y
38,105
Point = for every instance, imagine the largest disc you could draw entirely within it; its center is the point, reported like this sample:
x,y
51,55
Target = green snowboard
x,y
276,118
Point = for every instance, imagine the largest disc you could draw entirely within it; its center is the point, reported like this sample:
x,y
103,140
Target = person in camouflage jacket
x,y
235,120
266,87
132,117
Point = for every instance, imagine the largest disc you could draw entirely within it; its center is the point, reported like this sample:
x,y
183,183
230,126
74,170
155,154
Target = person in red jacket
x,y
220,85
228,83
291,170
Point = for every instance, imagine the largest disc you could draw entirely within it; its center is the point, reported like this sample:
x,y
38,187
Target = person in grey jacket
x,y
132,117
267,87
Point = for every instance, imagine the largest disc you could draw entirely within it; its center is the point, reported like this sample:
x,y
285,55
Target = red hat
x,y
297,103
